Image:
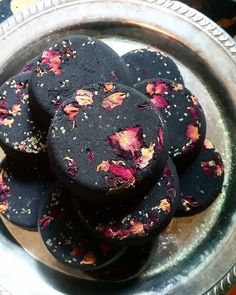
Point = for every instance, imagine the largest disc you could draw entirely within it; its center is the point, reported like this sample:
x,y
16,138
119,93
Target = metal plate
x,y
195,253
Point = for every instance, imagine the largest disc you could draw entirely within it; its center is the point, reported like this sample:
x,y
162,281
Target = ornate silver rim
x,y
189,14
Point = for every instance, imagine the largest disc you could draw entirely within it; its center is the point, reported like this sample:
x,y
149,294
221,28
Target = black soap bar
x,y
66,240
147,64
138,258
101,145
182,114
201,182
21,191
20,137
68,64
133,222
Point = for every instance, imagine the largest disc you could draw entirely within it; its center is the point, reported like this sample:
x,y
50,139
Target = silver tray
x,y
193,255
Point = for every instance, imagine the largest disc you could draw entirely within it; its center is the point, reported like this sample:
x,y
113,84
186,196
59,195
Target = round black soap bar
x,y
103,146
20,137
133,222
21,191
147,64
67,65
138,258
182,114
30,65
66,240
201,182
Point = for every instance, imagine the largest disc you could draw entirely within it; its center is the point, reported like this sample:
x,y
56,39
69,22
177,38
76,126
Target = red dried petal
x,y
84,97
108,87
16,109
121,171
4,189
188,203
137,228
208,144
158,87
177,86
164,206
160,140
114,100
72,166
214,167
71,111
113,232
194,100
192,133
45,221
90,156
146,156
103,166
159,101
3,110
193,113
116,184
129,140
53,59
89,258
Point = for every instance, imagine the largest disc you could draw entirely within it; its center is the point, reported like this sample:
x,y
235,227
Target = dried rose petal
x,y
193,113
121,171
73,168
4,189
20,85
146,156
177,86
84,97
113,232
188,203
208,144
194,100
159,101
71,111
163,206
160,140
90,155
158,87
113,100
89,258
53,59
103,166
192,133
108,87
129,140
137,228
7,122
16,109
117,184
214,168
45,221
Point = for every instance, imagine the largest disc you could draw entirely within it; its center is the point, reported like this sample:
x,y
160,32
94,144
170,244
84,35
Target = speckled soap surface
x,y
68,64
182,114
133,222
20,137
101,145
